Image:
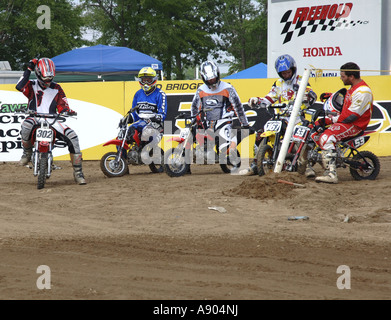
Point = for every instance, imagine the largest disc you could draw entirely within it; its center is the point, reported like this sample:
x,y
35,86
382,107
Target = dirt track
x,y
148,236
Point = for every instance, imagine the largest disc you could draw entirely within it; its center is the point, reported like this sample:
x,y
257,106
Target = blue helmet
x,y
286,62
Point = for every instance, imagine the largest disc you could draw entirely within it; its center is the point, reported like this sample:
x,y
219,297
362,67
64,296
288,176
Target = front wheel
x,y
175,162
113,168
232,163
367,169
265,163
42,170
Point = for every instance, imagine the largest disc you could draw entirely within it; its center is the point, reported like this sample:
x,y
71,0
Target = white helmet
x,y
335,102
210,74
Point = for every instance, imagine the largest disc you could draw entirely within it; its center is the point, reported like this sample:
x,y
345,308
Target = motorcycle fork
x,y
276,147
302,148
121,152
185,145
35,159
50,164
297,154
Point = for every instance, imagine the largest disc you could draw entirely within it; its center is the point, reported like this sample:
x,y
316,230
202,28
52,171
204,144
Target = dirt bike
x,y
44,141
272,136
199,146
134,148
363,165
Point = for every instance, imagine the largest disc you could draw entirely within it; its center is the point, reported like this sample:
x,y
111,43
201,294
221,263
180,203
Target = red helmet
x,y
45,71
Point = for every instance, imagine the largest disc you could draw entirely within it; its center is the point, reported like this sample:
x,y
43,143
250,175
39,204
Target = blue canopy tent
x,y
102,62
254,72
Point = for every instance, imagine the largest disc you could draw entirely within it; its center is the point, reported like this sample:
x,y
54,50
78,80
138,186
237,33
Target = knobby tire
x,y
43,170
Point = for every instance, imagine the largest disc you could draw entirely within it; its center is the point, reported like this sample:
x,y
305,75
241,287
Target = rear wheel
x,y
157,167
365,170
42,170
113,168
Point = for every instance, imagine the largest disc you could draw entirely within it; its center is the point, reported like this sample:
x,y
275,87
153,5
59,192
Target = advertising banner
x,y
101,105
325,34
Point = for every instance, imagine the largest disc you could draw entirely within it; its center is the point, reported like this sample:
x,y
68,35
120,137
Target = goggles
x,y
47,79
147,80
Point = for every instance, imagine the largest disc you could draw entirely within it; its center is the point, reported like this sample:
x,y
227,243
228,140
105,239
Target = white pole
x,y
292,121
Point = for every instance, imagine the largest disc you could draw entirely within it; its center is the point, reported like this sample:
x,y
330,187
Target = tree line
x,y
179,33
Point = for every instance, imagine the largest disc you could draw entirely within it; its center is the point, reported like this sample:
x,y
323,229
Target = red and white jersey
x,y
358,102
49,100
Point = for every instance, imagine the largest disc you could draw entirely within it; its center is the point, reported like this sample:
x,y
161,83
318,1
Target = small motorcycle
x,y
272,137
199,146
134,148
44,141
363,165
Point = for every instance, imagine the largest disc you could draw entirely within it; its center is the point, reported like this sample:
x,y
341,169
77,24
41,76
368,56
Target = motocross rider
x,y
151,106
223,103
284,90
46,96
353,119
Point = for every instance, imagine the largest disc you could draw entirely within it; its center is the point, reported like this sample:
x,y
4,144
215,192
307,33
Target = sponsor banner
x,y
101,105
96,104
325,34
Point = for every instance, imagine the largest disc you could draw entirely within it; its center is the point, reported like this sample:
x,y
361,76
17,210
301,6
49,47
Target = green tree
x,y
244,32
178,33
22,38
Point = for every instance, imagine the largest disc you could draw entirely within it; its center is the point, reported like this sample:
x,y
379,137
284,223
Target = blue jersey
x,y
152,103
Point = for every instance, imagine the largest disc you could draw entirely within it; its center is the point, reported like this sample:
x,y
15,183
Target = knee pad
x,y
327,142
73,141
26,129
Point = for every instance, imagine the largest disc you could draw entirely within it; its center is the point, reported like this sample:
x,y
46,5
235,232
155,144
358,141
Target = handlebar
x,y
57,116
132,110
186,116
278,106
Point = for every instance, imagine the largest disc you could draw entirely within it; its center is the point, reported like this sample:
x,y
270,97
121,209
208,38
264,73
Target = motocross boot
x,y
330,175
252,170
309,172
27,152
76,160
303,167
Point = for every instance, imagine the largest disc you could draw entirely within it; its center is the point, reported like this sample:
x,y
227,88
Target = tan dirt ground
x,y
147,236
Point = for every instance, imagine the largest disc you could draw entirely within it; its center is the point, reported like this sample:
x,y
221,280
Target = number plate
x,y
358,142
273,126
300,133
43,134
184,133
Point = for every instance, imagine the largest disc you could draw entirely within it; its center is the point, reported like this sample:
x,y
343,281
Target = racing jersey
x,y
149,103
223,101
49,100
359,104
